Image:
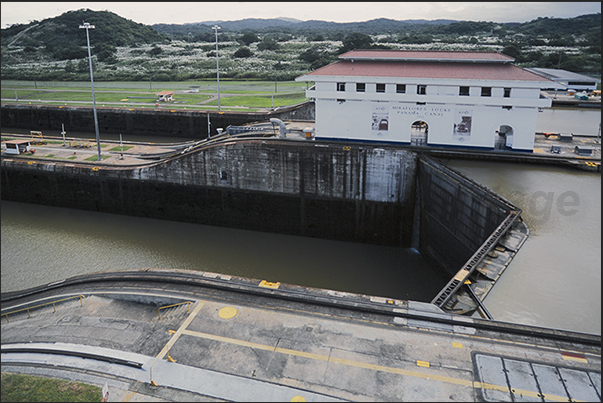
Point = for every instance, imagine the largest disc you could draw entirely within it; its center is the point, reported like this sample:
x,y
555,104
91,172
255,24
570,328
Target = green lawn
x,y
28,388
245,94
255,101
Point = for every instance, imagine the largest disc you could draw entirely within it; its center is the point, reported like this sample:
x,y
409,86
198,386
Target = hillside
x,y
292,26
111,30
589,24
273,49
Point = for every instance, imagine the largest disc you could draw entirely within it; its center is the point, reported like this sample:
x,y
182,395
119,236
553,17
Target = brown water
x,y
555,279
42,244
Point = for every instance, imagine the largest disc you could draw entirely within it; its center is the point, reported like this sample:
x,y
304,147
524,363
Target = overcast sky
x,y
186,12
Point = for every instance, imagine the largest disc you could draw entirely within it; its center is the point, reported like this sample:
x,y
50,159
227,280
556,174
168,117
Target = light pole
x,y
87,26
216,28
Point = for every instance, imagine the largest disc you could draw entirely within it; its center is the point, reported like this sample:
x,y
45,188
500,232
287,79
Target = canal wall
x,y
455,215
371,194
290,187
161,121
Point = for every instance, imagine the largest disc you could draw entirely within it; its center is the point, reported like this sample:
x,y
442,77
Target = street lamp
x,y
87,26
216,28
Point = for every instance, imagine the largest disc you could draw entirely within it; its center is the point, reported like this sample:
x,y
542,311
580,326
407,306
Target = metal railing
x,y
458,280
173,305
44,304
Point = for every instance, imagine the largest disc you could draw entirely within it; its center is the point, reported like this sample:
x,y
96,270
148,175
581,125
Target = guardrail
x,y
173,305
44,304
458,280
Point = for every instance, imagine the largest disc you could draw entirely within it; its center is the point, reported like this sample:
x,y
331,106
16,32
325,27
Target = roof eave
x,y
433,60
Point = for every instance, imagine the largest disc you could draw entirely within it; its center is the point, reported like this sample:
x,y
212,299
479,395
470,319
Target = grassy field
x,y
27,388
248,95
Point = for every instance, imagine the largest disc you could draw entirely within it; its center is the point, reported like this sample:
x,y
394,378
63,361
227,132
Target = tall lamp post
x,y
87,26
216,28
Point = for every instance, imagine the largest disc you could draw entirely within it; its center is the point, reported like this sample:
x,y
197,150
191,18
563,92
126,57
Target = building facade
x,y
436,98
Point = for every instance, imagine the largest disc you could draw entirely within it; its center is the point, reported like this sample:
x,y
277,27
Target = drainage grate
x,y
510,380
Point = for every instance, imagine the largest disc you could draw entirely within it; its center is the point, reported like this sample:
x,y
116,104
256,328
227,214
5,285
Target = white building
x,y
476,99
569,80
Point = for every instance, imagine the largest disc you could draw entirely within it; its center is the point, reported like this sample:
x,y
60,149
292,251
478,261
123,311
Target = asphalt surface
x,y
239,342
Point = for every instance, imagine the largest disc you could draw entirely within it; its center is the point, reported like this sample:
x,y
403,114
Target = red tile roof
x,y
427,55
452,70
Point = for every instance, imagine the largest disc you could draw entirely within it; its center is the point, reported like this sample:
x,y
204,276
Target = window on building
x,y
380,87
507,93
486,91
401,88
421,89
360,87
582,83
464,91
340,86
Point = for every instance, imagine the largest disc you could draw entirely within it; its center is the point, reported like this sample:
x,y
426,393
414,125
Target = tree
x,y
243,52
82,66
105,53
70,67
511,50
356,40
155,50
310,55
248,38
268,44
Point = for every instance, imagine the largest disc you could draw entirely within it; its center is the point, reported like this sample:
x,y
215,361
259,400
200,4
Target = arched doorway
x,y
418,133
504,137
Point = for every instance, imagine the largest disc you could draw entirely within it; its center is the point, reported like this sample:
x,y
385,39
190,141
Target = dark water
x,y
41,244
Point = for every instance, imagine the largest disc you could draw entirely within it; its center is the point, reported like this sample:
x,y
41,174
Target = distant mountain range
x,y
62,31
588,24
380,25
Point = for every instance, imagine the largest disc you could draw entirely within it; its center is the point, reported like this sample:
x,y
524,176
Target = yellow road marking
x,y
128,396
131,393
179,332
375,367
227,312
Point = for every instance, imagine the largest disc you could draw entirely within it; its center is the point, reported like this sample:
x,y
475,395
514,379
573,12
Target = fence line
x,y
44,304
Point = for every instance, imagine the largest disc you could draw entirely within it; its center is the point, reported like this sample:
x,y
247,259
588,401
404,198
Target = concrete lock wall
x,y
352,194
456,215
328,190
152,122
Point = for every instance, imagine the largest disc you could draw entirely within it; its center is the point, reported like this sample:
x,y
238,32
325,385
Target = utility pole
x,y
216,28
87,26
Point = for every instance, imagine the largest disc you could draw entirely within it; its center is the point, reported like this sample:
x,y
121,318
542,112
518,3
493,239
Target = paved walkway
x,y
549,145
237,346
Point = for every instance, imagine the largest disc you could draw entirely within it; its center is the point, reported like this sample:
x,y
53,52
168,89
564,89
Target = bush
x,y
268,44
248,38
155,50
243,52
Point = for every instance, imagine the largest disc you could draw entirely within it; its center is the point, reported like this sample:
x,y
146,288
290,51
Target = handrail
x,y
46,303
170,306
458,280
